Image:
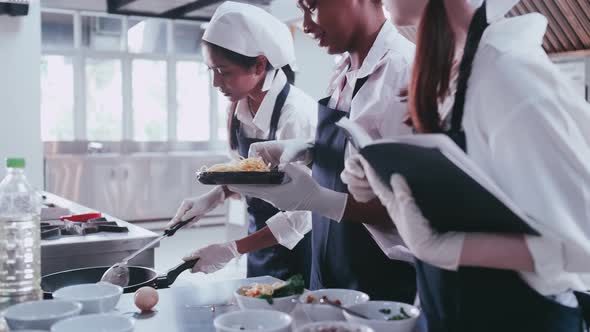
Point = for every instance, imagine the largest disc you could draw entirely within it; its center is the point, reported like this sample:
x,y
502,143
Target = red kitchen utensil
x,y
81,217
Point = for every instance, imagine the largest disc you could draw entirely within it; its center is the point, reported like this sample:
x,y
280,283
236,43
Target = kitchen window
x,y
149,100
192,98
104,105
115,78
57,98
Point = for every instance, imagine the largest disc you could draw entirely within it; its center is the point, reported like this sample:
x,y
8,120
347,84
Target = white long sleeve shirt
x,y
378,107
530,132
297,120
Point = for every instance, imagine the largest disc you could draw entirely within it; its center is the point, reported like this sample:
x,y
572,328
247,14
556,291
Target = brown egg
x,y
146,298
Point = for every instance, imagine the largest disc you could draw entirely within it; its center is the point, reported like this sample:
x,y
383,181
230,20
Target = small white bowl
x,y
334,326
95,298
95,323
284,304
40,315
378,320
322,312
253,320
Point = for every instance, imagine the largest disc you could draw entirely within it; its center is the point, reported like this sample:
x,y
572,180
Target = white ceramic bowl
x,y
95,323
378,320
95,298
334,326
253,320
323,312
284,304
40,315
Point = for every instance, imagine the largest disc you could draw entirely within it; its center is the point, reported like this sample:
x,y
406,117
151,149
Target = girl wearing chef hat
x,y
521,122
250,52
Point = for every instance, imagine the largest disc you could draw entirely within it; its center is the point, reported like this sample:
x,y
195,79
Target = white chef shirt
x,y
378,107
529,131
297,120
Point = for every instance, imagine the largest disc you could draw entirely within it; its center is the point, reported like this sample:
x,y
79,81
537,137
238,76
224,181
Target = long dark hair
x,y
435,48
246,62
431,74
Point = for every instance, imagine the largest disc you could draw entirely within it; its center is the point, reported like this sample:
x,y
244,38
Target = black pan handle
x,y
174,272
172,230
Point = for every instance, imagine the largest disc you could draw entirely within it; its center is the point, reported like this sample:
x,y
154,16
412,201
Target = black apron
x,y
482,299
276,261
344,255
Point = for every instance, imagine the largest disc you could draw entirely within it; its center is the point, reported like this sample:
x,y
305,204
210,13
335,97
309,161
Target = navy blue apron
x,y
482,299
344,255
276,261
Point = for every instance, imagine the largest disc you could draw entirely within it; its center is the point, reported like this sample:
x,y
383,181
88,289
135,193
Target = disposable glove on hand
x,y
300,193
198,206
283,151
356,180
214,257
439,249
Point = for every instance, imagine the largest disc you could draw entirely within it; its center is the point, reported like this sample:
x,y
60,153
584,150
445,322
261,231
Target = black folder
x,y
448,197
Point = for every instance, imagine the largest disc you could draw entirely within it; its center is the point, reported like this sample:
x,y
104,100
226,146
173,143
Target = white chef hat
x,y
251,31
496,9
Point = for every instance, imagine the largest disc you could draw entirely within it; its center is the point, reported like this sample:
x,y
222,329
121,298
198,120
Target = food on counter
x,y
401,316
312,299
146,298
242,165
333,329
293,286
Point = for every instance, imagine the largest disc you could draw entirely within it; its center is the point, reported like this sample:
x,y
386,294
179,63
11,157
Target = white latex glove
x,y
198,206
354,176
283,151
214,257
439,249
300,193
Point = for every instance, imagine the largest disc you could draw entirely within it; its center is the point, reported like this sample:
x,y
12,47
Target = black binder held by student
x,y
441,175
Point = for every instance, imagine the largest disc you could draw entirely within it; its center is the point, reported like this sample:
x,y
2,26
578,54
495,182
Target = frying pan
x,y
138,277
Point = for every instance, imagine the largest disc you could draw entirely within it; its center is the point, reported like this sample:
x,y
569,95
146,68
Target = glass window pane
x,y
146,36
187,38
150,116
222,110
104,103
57,30
101,33
57,98
192,98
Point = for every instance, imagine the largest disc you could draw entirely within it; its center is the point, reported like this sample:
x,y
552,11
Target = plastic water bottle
x,y
20,252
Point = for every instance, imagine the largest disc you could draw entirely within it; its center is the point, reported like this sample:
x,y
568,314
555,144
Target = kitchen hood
x,y
197,10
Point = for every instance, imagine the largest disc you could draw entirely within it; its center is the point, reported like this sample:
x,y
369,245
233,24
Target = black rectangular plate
x,y
217,178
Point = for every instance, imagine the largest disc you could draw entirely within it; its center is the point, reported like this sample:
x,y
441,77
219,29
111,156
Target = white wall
x,y
20,58
315,66
286,10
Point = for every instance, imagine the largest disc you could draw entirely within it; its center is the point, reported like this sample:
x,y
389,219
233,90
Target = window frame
x,y
80,54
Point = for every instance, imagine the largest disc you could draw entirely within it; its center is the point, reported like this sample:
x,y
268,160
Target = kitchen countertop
x,y
69,252
187,307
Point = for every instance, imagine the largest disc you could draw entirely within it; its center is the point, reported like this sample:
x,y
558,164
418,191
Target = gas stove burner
x,y
53,230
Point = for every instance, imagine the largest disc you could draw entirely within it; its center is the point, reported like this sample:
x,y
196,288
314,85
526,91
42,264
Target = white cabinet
x,y
129,187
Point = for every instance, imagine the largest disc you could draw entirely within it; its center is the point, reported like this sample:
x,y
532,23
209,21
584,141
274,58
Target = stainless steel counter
x,y
184,307
101,249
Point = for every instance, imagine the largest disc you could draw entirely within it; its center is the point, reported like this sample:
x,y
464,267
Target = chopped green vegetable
x,y
266,297
385,311
293,286
401,316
